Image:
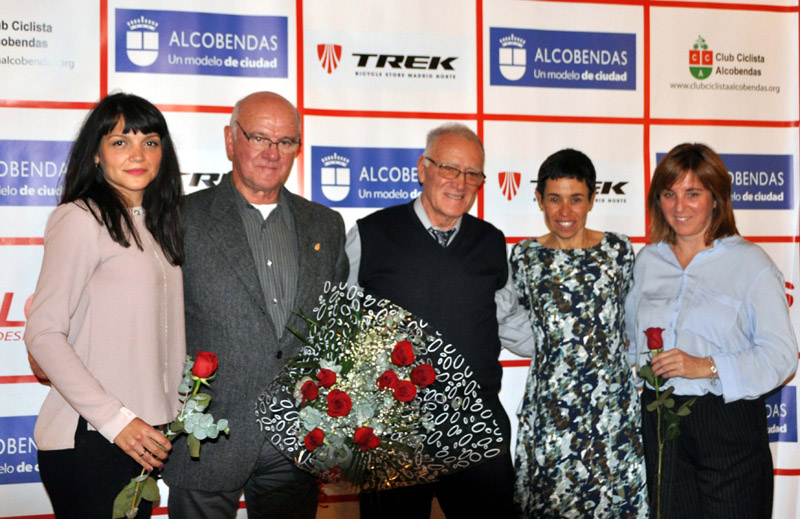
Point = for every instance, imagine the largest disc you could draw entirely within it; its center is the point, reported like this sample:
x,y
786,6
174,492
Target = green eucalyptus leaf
x,y
194,446
669,403
212,431
222,424
124,500
150,490
683,410
200,433
202,398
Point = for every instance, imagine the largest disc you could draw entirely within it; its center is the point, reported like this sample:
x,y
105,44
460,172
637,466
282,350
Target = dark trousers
x,y
276,489
84,481
718,468
486,490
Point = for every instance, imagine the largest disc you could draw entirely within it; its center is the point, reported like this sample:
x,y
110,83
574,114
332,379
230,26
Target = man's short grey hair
x,y
451,129
237,106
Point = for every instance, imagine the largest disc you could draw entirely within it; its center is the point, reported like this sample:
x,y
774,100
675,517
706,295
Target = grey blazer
x,y
226,314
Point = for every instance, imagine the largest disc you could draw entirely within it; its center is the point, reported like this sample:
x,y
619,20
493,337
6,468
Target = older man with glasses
x,y
449,268
255,254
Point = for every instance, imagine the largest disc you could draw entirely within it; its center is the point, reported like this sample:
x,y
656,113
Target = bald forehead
x,y
266,105
446,144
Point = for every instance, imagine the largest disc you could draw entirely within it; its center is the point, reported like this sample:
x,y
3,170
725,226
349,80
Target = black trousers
x,y
720,466
276,489
486,490
84,481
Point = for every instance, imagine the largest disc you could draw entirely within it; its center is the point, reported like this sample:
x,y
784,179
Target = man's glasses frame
x,y
472,177
285,146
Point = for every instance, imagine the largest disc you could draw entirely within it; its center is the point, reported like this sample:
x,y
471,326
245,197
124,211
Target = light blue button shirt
x,y
728,304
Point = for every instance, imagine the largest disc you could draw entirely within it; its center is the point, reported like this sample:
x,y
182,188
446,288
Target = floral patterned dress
x,y
579,451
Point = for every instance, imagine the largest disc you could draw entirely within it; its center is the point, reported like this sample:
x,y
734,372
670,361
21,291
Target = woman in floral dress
x,y
579,450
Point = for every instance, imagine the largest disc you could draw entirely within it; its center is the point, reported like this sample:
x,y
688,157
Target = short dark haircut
x,y
567,163
707,166
84,179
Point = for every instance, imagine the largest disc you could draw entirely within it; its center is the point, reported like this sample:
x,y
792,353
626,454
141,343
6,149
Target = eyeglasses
x,y
473,177
285,146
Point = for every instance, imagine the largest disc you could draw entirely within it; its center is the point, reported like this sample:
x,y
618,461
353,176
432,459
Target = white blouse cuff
x,y
114,426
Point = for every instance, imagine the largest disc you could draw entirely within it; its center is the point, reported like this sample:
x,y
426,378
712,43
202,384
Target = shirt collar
x,y
720,244
281,208
426,222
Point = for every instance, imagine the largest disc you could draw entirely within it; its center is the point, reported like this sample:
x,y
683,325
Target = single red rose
x,y
310,391
654,340
339,403
365,438
403,354
388,380
314,439
423,375
205,364
405,391
326,377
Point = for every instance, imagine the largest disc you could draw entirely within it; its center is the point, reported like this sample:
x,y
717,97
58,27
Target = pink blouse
x,y
107,327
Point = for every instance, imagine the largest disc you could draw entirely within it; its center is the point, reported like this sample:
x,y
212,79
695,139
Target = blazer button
x,y
279,354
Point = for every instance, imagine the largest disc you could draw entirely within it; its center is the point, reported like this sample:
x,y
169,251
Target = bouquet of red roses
x,y
376,397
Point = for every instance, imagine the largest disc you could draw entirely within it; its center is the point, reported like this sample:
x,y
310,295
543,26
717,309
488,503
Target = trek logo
x,y
201,179
509,183
329,56
402,61
606,187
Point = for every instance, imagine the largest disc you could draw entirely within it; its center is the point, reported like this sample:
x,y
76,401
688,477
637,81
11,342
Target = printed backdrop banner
x,y
623,82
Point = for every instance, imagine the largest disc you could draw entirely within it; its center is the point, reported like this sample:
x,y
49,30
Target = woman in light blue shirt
x,y
727,339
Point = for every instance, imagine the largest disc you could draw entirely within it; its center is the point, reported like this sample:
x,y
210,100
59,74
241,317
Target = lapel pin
x,y
317,246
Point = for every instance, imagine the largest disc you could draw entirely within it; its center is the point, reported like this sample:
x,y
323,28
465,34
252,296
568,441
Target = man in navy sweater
x,y
449,268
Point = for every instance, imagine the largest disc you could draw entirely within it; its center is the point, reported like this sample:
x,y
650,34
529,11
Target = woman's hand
x,y
676,363
144,444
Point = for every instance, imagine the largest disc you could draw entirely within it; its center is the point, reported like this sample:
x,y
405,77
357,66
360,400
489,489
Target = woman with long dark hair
x,y
106,325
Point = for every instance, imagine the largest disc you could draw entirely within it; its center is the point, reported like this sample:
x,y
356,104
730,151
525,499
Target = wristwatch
x,y
713,367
